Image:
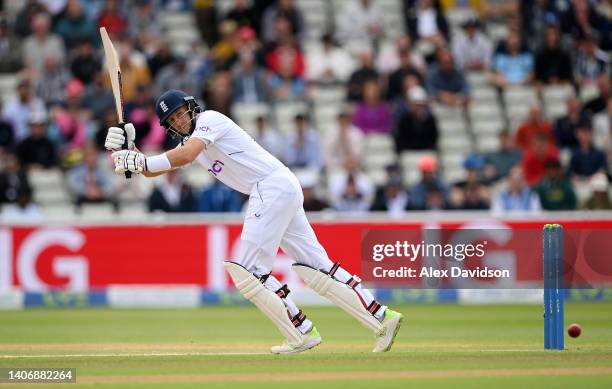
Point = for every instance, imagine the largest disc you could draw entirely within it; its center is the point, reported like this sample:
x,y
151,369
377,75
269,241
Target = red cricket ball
x,y
574,330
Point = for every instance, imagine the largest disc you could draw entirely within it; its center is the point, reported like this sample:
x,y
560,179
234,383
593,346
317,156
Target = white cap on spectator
x,y
38,117
417,95
599,182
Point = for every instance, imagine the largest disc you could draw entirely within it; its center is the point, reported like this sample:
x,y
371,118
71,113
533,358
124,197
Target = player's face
x,y
180,121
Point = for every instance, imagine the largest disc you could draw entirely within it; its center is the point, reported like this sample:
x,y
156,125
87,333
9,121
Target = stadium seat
x,y
323,95
454,142
485,143
485,110
483,94
377,175
557,93
454,175
449,126
378,143
245,114
554,111
284,114
477,78
519,95
172,20
492,126
588,92
196,176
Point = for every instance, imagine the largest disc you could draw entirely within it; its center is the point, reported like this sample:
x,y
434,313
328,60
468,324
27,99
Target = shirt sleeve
x,y
211,126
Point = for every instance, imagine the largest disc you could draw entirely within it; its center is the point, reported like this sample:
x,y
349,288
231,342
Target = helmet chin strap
x,y
192,111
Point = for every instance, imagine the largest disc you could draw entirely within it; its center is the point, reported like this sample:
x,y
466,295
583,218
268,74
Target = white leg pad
x,y
267,301
339,293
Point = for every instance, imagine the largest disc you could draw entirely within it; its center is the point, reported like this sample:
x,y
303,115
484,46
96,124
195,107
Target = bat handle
x,y
128,175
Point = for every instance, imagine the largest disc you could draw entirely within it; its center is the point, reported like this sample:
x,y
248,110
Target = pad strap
x,y
373,307
353,282
283,291
264,278
298,319
333,269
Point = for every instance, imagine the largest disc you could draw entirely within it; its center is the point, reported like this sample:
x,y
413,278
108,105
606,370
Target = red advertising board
x,y
88,257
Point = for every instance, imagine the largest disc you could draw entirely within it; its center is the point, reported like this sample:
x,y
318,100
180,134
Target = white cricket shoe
x,y
310,340
391,325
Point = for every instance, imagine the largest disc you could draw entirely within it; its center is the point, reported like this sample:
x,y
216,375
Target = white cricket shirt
x,y
231,155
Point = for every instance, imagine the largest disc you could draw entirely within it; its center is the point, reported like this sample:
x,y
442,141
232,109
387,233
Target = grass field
x,y
438,346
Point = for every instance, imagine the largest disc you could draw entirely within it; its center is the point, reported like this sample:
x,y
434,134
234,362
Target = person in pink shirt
x,y
372,115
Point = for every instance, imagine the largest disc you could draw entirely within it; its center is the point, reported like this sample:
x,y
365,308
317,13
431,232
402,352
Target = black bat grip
x,y
128,175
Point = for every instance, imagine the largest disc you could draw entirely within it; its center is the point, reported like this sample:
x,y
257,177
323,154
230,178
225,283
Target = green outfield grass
x,y
438,346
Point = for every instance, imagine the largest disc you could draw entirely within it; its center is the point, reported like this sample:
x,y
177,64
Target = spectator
x,y
416,127
172,194
350,190
85,63
97,98
25,16
553,64
74,26
176,76
599,103
312,203
51,82
590,61
602,130
223,51
361,22
268,138
286,86
498,163
586,160
516,196
217,197
242,14
392,197
535,16
23,210
600,198
555,190
536,157
112,20
425,20
248,80
345,143
418,193
565,127
205,13
42,44
285,51
410,64
13,179
391,59
472,197
139,22
328,63
472,50
447,84
10,49
90,183
71,125
163,56
512,66
17,111
360,76
581,19
37,151
7,137
218,92
134,71
287,10
303,146
371,115
534,125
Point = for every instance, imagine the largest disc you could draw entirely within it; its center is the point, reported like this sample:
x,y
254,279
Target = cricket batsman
x,y
274,217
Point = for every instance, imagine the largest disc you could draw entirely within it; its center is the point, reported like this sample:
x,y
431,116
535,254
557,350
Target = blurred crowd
x,y
259,52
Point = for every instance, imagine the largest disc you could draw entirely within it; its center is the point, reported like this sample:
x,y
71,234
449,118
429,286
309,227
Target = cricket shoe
x,y
310,339
391,325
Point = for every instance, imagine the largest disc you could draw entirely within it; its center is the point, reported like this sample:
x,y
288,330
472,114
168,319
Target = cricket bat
x,y
114,72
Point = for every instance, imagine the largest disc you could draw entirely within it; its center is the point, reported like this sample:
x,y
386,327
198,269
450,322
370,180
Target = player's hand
x,y
115,137
129,160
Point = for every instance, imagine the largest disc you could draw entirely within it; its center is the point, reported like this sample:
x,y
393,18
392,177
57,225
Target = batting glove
x,y
115,137
129,160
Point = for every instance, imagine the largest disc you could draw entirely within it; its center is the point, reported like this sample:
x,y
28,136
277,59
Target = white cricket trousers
x,y
275,217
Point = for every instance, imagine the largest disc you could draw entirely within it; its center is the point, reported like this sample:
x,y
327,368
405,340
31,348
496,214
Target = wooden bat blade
x,y
114,72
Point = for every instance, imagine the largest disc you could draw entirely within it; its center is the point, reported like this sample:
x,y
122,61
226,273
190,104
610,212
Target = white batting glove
x,y
115,137
129,160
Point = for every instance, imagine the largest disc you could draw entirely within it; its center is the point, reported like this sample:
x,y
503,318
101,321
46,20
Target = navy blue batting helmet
x,y
172,100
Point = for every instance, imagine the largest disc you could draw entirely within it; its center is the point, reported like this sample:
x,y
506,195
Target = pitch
x,y
438,346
